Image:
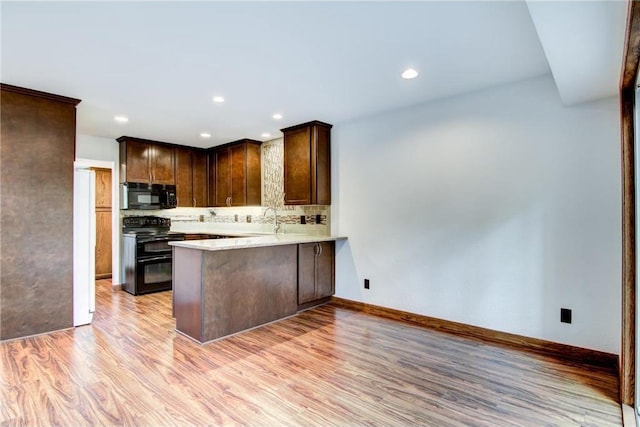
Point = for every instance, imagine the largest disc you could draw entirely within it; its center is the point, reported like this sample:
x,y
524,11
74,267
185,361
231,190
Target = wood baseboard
x,y
564,352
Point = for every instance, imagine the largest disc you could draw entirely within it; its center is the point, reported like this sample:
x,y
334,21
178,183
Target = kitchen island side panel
x,y
187,291
245,288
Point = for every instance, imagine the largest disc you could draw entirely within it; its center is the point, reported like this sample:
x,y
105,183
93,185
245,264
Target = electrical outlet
x,y
318,219
565,315
366,283
235,217
303,219
248,218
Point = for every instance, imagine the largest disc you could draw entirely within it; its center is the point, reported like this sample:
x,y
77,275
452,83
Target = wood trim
x,y
238,142
315,303
125,138
564,352
627,364
307,124
628,81
39,94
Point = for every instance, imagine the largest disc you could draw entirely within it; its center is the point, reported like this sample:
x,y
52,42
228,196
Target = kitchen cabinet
x,y
307,164
316,274
191,177
235,174
146,161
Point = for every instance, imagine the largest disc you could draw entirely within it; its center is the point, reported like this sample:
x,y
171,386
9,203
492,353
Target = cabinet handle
x,y
194,202
229,201
320,249
315,249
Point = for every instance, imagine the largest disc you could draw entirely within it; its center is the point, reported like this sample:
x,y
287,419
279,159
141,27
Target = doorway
x,y
114,239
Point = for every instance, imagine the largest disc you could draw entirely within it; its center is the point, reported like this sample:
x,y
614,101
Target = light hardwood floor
x,y
324,367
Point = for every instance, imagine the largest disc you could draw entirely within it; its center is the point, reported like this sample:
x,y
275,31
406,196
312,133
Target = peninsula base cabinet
x,y
316,273
217,293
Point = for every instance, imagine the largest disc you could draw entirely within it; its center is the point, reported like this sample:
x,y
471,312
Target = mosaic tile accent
x,y
273,173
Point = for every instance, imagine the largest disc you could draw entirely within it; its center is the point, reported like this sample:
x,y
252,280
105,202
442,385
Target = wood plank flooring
x,y
324,367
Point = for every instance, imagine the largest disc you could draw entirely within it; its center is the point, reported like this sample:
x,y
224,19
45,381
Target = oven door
x,y
155,246
153,274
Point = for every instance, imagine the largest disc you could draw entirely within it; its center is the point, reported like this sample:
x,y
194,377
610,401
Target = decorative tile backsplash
x,y
273,173
313,219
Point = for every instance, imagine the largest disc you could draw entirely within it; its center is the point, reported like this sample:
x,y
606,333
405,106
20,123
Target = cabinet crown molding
x,y
39,94
307,124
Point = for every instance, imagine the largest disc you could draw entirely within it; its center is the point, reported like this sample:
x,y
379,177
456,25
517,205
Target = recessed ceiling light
x,y
265,135
277,116
218,99
121,119
205,135
409,73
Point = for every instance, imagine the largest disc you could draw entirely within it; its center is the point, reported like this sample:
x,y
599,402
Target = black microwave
x,y
137,195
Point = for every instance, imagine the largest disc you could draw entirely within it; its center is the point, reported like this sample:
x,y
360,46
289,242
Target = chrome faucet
x,y
276,225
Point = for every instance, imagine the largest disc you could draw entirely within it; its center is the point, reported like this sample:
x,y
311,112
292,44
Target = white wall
x,y
493,209
104,152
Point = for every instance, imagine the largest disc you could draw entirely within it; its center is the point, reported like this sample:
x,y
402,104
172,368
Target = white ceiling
x,y
160,63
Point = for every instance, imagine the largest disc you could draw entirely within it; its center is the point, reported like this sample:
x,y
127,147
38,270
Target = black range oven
x,y
147,255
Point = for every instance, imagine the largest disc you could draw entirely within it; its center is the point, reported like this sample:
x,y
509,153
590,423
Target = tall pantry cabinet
x,y
37,151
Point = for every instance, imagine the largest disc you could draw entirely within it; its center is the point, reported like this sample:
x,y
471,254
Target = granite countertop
x,y
253,241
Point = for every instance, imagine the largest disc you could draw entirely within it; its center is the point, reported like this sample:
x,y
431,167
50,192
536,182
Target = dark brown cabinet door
x,y
307,164
306,272
162,165
199,167
223,178
325,261
146,161
184,177
137,162
297,167
237,174
254,176
321,166
212,171
316,271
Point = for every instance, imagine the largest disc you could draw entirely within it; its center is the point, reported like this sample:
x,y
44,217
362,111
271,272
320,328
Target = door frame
x,y
115,209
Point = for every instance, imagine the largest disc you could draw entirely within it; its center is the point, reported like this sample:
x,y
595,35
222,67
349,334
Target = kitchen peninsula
x,y
225,286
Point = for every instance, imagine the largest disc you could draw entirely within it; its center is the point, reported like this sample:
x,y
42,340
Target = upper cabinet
x,y
146,161
307,164
235,173
191,177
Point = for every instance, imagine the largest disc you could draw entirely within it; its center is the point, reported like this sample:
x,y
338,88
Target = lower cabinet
x,y
316,274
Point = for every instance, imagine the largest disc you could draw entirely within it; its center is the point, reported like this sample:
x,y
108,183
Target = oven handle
x,y
154,259
161,239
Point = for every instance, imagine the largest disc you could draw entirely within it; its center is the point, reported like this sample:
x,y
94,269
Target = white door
x,y
84,246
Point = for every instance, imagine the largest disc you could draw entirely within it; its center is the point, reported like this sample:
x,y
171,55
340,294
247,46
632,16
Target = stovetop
x,y
146,221
147,226
148,232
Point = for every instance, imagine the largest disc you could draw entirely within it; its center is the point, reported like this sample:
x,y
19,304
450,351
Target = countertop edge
x,y
253,242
